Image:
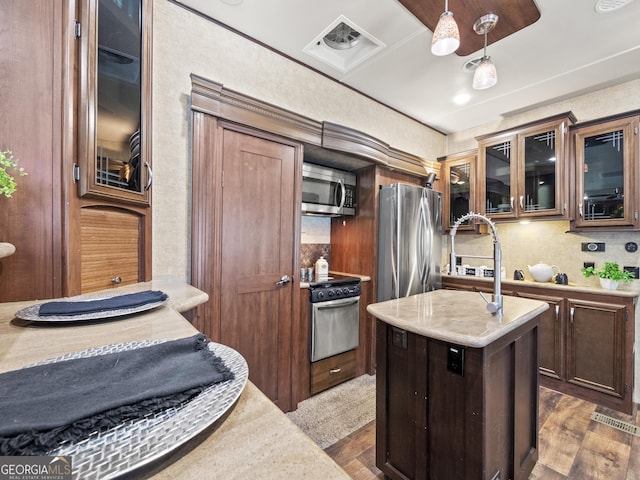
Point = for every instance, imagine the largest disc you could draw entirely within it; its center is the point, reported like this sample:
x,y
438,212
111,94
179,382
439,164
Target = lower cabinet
x,y
331,371
596,343
586,341
433,423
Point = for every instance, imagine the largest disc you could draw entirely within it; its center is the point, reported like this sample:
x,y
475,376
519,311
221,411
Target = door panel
x,y
596,346
257,230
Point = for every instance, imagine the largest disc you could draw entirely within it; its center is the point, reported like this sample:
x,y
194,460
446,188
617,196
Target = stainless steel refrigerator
x,y
409,241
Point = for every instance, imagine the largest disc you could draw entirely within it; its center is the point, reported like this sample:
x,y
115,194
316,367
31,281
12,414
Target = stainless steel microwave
x,y
327,191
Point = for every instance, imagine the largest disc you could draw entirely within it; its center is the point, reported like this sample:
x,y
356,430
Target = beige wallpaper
x,y
590,106
184,43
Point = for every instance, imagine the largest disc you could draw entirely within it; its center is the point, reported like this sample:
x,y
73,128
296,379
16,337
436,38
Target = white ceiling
x,y
571,49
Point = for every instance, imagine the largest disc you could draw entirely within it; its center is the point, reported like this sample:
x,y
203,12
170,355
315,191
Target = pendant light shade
x,y
446,37
485,75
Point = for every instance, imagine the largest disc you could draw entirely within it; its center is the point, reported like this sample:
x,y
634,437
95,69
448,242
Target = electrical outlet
x,y
634,270
455,359
593,246
588,264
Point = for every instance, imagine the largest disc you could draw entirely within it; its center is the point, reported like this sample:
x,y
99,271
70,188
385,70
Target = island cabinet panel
x,y
433,423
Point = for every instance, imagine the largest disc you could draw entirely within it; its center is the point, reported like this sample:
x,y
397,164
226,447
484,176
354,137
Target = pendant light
x,y
485,75
446,37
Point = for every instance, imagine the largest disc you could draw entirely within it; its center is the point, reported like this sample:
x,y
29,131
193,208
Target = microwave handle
x,y
344,193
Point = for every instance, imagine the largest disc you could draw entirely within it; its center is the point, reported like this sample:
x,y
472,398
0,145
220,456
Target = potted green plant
x,y
610,275
8,168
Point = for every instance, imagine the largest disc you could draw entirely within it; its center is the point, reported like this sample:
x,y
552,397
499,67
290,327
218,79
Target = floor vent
x,y
612,422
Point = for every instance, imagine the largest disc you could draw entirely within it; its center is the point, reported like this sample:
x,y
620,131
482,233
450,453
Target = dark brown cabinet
x,y
596,343
433,423
522,173
606,178
586,340
459,188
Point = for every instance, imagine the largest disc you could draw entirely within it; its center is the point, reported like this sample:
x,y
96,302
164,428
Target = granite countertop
x,y
256,438
458,317
622,291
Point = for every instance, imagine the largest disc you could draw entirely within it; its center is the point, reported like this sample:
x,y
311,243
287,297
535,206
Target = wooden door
x,y
257,250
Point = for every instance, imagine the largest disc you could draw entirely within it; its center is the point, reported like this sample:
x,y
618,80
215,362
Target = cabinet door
x,y
114,147
596,346
459,196
498,176
551,338
541,189
606,191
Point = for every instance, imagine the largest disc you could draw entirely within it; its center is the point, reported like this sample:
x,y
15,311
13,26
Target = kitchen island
x,y
253,440
457,387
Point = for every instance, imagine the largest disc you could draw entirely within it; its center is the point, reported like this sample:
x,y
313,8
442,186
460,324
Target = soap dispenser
x,y
322,267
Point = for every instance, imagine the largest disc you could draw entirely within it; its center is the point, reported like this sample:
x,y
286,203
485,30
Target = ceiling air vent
x,y
605,6
343,45
342,37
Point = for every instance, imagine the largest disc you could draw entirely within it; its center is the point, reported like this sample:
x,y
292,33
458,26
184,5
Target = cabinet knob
x,y
116,280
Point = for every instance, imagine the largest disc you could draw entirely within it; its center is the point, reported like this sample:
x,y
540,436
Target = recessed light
x,y
461,98
232,2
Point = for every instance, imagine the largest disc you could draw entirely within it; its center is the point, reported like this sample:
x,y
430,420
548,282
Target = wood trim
x,y
553,118
345,139
214,99
610,118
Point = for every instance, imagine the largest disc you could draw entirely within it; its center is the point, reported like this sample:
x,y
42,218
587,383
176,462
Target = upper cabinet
x,y
522,172
459,191
114,144
606,155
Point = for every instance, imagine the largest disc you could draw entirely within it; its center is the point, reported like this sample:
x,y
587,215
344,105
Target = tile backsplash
x,y
310,252
549,242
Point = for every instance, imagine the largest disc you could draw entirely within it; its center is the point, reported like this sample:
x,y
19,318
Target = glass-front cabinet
x,y
606,155
498,176
522,172
459,191
115,100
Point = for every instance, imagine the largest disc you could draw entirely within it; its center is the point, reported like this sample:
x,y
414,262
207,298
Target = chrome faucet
x,y
495,305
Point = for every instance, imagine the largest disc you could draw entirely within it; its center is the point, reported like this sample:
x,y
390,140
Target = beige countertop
x,y
624,290
255,440
456,316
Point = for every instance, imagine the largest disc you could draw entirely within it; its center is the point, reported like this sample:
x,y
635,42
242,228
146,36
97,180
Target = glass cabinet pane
x,y
459,192
539,172
603,176
498,178
119,95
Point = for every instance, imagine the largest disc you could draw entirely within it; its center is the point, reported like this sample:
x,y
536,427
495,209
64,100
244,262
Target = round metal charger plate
x,y
134,444
32,312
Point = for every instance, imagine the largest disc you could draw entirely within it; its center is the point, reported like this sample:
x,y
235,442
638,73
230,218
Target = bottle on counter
x,y
322,267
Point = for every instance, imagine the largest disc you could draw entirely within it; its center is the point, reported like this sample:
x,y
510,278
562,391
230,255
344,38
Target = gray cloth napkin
x,y
78,392
118,302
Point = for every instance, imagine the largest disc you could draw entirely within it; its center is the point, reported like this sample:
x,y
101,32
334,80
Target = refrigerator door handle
x,y
428,232
421,232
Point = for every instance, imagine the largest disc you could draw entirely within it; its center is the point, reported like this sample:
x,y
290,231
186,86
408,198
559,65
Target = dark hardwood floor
x,y
572,446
